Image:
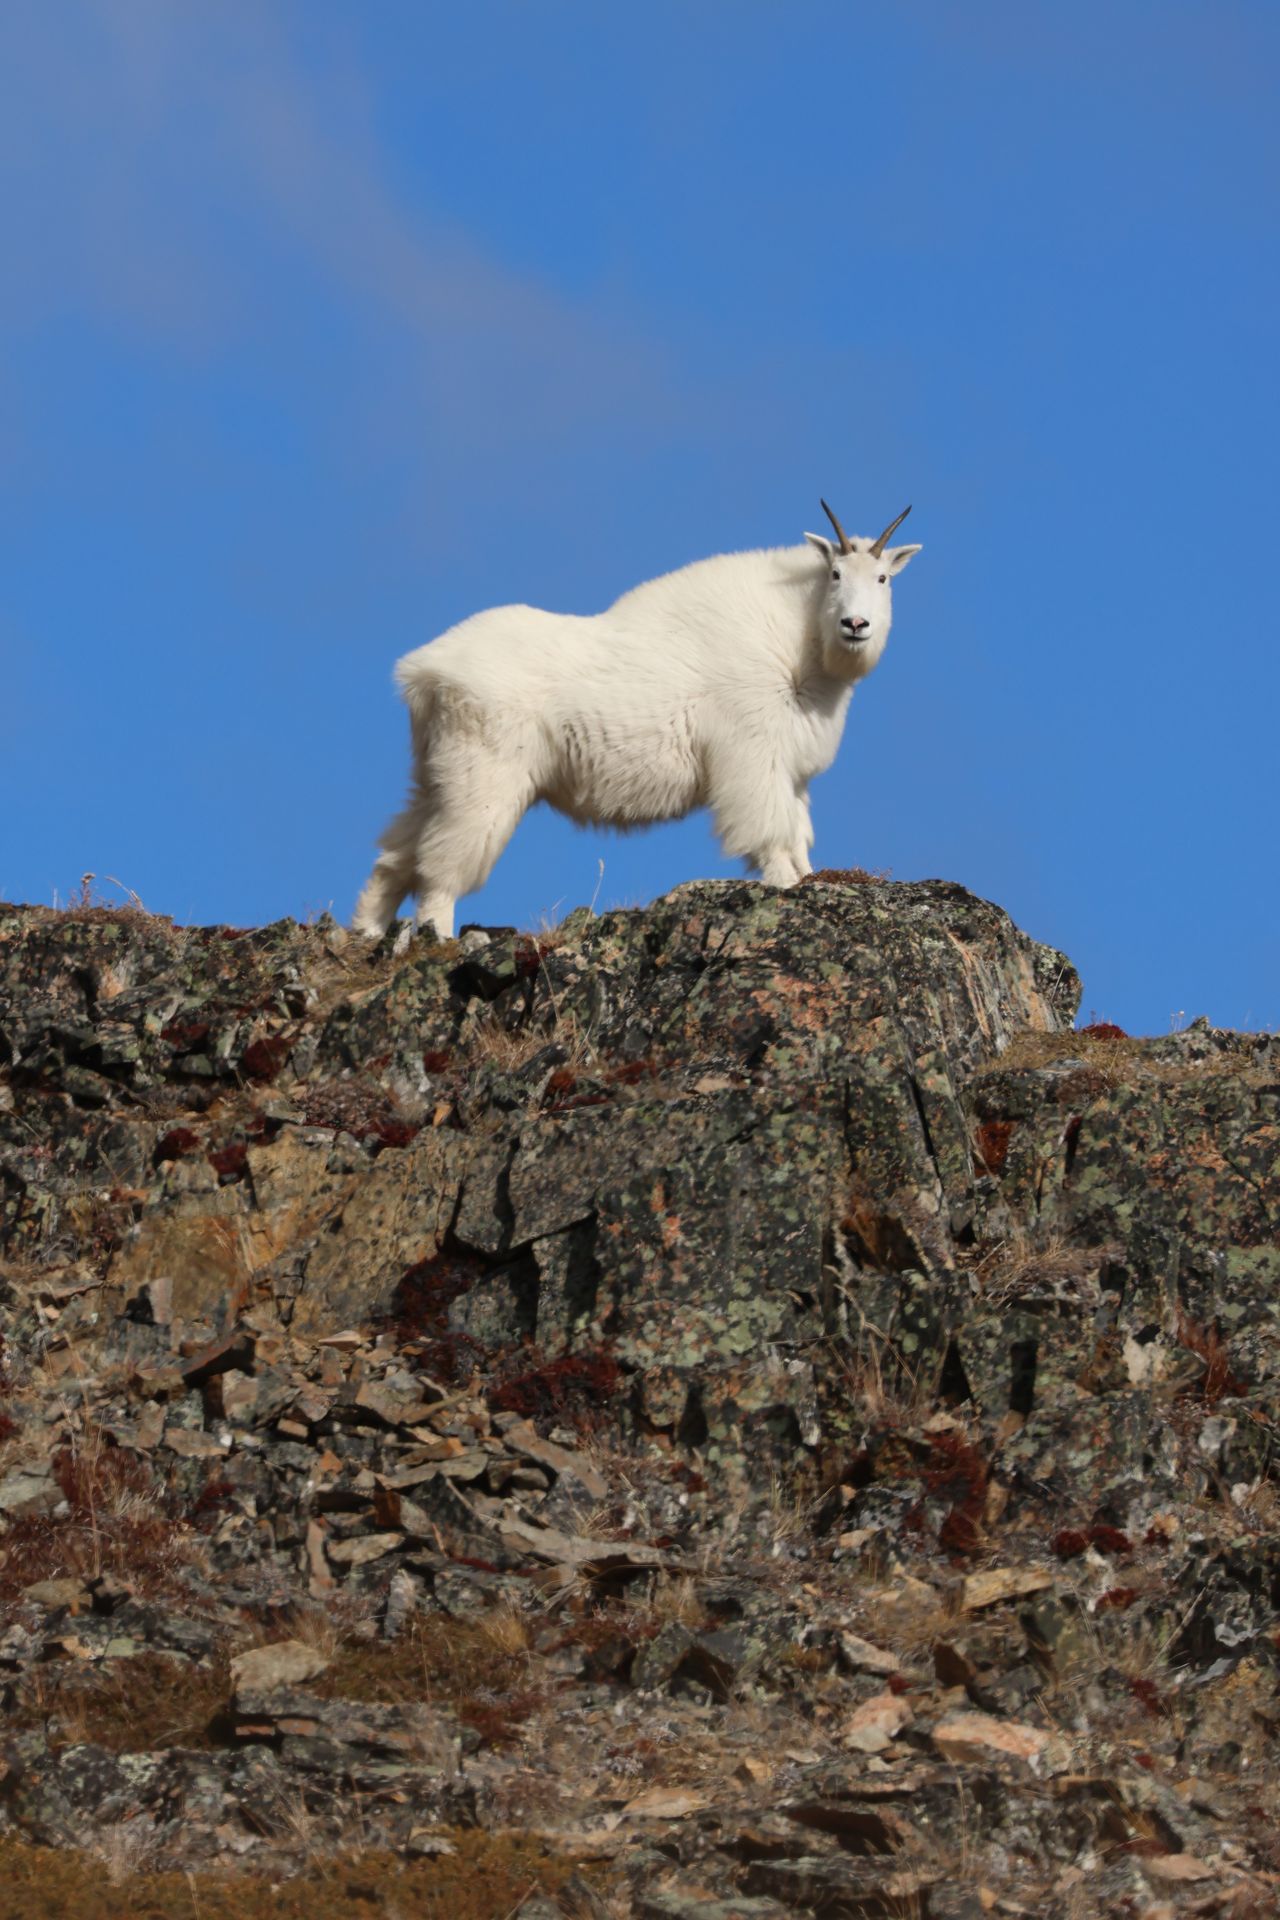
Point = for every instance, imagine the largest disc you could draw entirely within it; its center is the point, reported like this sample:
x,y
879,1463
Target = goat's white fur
x,y
723,685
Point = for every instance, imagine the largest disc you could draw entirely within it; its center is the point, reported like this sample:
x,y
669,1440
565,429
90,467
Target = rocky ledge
x,y
735,1409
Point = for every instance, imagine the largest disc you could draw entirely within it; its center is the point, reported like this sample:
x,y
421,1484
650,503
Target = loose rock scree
x,y
724,685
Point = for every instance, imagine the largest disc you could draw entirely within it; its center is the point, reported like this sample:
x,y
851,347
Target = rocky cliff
x,y
735,1408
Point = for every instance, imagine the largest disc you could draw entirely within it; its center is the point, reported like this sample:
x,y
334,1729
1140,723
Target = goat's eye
x,y
883,578
835,573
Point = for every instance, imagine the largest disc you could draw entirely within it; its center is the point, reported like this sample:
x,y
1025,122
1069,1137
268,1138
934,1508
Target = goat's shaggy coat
x,y
723,685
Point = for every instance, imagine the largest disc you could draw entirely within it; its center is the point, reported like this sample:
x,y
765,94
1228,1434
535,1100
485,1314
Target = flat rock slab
x,y
286,1663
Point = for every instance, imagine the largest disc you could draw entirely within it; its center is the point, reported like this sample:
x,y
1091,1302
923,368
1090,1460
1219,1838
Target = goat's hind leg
x,y
393,872
476,806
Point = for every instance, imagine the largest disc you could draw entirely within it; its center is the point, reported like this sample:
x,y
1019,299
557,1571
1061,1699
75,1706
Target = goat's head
x,y
857,601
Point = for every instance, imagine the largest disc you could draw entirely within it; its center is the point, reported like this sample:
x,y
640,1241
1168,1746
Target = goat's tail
x,y
419,691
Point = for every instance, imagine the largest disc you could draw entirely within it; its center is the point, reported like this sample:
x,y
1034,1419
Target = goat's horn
x,y
878,545
846,545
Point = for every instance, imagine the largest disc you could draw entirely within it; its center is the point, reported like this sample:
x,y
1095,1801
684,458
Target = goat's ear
x,y
899,556
824,547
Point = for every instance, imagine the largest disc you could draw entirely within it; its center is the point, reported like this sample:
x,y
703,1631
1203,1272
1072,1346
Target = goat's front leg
x,y
782,866
760,815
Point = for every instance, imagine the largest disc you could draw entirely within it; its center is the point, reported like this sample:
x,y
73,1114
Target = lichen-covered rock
x,y
760,1305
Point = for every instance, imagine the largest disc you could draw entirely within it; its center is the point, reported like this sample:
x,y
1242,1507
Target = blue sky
x,y
327,325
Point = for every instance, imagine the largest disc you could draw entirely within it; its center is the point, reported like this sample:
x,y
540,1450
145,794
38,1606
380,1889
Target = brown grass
x,y
513,1047
485,1876
152,1701
1110,1058
480,1669
89,902
1038,1266
1114,1058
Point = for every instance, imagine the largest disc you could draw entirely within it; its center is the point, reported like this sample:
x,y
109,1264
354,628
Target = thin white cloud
x,y
164,167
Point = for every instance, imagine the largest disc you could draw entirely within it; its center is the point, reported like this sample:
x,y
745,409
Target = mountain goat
x,y
723,685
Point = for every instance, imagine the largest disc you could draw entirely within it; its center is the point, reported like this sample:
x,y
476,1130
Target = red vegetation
x,y
629,1073
1073,1540
992,1142
263,1058
211,1495
530,955
1103,1030
419,1314
230,1162
89,1481
1116,1599
436,1060
1148,1696
426,1291
114,1519
575,1387
187,1036
177,1144
956,1470
497,1717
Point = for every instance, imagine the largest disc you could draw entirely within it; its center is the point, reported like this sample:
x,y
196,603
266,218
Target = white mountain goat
x,y
724,685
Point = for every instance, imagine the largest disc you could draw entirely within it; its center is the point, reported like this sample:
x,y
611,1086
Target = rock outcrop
x,y
754,1353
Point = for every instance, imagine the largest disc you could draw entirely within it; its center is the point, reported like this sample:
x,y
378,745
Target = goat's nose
x,y
854,626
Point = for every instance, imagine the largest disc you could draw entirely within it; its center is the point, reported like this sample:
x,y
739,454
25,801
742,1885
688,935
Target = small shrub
x,y
362,1110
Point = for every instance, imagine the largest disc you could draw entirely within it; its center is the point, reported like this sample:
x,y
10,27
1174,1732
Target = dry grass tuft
x,y
511,1048
480,1669
1109,1058
152,1701
115,1519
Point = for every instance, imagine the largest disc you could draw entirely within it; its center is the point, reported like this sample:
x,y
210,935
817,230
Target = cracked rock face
x,y
789,1256
680,1131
